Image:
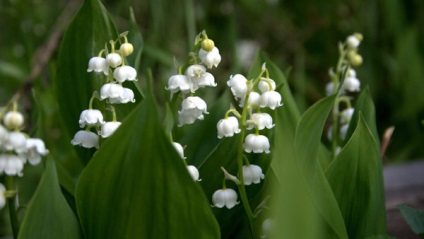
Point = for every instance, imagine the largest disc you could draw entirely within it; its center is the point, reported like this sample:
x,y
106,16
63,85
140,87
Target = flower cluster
x,y
252,96
115,71
192,76
16,148
193,171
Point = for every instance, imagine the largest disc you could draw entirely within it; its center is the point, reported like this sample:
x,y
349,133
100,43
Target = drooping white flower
x,y
210,58
125,73
179,148
11,164
35,149
225,197
111,91
114,60
261,120
256,144
2,197
252,174
16,142
109,128
90,117
4,135
228,127
329,88
13,119
86,139
207,80
346,115
352,41
270,99
352,84
238,85
194,172
178,83
343,131
263,85
192,108
266,228
98,64
127,96
195,74
254,99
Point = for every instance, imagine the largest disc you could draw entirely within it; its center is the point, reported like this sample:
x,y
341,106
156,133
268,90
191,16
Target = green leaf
x,y
357,182
136,186
48,214
414,217
87,34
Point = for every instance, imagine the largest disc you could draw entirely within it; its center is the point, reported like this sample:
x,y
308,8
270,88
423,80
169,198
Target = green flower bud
x,y
126,49
208,45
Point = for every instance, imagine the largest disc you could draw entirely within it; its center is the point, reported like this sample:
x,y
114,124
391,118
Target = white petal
x,y
86,139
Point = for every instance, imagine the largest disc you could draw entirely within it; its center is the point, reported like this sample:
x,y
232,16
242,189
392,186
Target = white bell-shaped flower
x,y
329,88
225,197
2,197
194,172
343,131
109,128
12,164
263,85
127,96
111,91
256,144
114,60
352,84
195,75
346,115
86,139
125,73
261,120
178,83
13,119
210,58
252,174
192,108
16,142
353,41
228,127
179,148
91,117
238,85
266,228
270,99
254,99
98,64
35,149
4,135
207,80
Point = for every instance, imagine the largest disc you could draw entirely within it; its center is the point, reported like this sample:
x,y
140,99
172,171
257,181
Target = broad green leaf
x,y
136,186
414,217
307,142
48,214
87,34
357,182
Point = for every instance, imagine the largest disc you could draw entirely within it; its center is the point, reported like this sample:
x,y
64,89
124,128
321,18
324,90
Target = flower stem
x,y
12,210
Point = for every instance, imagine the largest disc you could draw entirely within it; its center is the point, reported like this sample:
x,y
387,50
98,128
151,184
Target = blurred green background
x,y
301,35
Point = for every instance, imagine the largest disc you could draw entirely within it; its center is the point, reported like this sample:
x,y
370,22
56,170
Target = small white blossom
x,y
114,60
194,172
12,164
225,197
125,73
4,135
127,96
270,99
109,128
111,91
238,85
256,144
86,139
13,119
343,131
252,174
352,84
261,120
207,80
192,108
178,83
98,64
16,141
210,58
2,197
352,41
91,117
266,228
179,148
263,85
228,127
195,74
254,99
35,149
346,115
329,88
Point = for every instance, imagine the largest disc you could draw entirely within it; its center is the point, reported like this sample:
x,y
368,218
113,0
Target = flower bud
x,y
13,120
207,45
194,172
126,49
